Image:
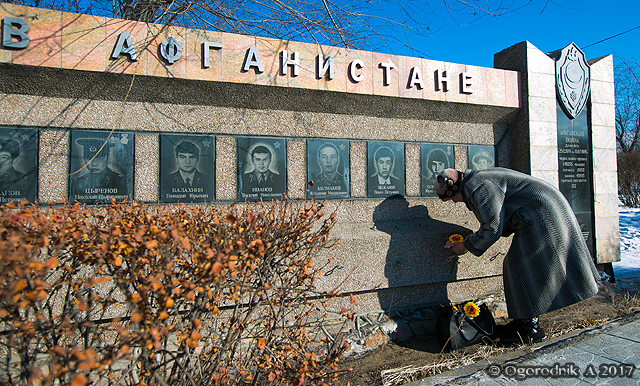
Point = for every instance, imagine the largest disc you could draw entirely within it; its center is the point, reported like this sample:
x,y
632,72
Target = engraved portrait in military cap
x,y
327,168
385,169
100,166
18,164
481,157
187,168
434,158
262,168
573,79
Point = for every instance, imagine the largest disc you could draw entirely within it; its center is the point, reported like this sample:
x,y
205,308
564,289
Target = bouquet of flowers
x,y
464,324
454,239
470,309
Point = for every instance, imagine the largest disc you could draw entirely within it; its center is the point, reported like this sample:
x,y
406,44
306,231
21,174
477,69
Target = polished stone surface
x,y
594,352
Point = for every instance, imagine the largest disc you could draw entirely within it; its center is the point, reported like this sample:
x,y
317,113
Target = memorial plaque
x,y
18,164
385,169
481,157
434,158
262,168
100,166
328,168
187,168
575,170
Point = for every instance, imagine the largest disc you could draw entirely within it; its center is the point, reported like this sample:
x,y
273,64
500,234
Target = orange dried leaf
x,y
20,286
353,299
60,351
261,344
136,318
217,267
79,380
52,263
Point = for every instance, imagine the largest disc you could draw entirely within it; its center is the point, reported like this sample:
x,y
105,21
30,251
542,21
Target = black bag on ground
x,y
454,329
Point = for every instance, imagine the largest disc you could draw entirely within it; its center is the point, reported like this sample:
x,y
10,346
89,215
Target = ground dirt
x,y
422,356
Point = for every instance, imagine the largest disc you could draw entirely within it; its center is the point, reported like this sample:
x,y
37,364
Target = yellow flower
x,y
471,309
456,238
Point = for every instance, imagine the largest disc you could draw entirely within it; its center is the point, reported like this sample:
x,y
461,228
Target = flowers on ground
x,y
471,309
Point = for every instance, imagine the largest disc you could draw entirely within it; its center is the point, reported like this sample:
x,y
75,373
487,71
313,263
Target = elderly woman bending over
x,y
548,265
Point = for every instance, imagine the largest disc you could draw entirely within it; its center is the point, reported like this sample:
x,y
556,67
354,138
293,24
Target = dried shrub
x,y
629,178
169,295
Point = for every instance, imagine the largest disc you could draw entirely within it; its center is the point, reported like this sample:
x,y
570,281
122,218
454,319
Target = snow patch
x,y
629,264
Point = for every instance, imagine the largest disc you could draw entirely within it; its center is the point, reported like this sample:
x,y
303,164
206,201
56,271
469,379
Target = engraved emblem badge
x,y
573,77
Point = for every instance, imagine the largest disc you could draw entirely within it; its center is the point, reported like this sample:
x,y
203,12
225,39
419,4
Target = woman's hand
x,y
458,248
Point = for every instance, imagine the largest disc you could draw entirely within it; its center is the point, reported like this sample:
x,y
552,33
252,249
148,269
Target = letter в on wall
x,y
206,46
324,67
19,33
252,59
119,48
294,62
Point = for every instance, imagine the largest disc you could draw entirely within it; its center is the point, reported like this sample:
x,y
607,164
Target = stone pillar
x,y
605,170
531,139
531,143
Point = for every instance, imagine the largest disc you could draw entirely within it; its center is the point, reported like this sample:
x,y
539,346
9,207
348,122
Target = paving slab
x,y
603,355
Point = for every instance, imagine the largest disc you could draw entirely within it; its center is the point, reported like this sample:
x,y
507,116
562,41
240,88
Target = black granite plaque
x,y
18,164
100,166
574,169
385,169
327,168
187,168
262,168
434,158
481,157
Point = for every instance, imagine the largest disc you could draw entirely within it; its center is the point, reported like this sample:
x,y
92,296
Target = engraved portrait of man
x,y
481,157
100,167
190,158
327,168
434,159
18,164
261,167
385,169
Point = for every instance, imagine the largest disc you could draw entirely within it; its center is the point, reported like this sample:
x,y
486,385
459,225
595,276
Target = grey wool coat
x,y
548,265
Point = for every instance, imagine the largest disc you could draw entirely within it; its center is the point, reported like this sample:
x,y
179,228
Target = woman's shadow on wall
x,y
416,268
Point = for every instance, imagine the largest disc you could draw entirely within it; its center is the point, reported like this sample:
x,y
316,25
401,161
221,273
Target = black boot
x,y
527,331
504,330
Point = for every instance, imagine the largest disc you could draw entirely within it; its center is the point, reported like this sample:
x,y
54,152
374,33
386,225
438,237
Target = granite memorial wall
x,y
93,108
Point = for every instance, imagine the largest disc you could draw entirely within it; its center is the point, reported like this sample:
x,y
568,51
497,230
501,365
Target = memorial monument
x,y
104,108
